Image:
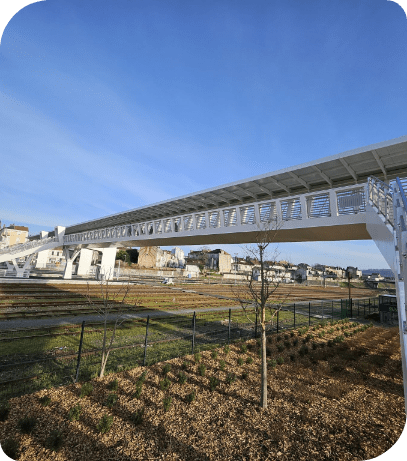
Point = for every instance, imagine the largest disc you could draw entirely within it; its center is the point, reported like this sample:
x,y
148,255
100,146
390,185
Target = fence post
x,y
294,316
358,307
332,315
145,342
369,306
277,321
230,319
309,314
193,332
79,353
351,302
255,328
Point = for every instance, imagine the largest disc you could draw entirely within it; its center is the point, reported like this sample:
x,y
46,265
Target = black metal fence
x,y
33,359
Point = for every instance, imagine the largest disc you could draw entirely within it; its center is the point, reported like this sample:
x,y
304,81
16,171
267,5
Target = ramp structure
x,y
355,195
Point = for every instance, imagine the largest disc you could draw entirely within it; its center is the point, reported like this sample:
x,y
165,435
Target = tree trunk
x,y
263,398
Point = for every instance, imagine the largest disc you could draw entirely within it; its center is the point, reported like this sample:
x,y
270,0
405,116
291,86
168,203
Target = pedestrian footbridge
x,y
355,195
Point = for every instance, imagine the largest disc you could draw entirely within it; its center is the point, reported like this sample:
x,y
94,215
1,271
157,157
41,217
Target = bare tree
x,y
260,290
113,299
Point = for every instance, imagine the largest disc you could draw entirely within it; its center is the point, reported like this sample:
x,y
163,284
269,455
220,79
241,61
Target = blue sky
x,y
107,106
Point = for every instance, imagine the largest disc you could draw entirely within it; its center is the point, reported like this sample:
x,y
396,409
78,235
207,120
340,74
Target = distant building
x,y
12,235
155,257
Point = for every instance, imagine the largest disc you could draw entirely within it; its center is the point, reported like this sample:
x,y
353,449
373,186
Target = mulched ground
x,y
344,402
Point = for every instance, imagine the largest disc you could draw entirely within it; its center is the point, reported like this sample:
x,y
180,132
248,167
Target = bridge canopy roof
x,y
385,160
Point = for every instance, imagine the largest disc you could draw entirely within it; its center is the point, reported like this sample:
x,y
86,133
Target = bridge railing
x,y
28,245
381,196
335,202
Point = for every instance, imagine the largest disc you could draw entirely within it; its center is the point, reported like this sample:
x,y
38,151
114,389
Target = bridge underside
x,y
355,231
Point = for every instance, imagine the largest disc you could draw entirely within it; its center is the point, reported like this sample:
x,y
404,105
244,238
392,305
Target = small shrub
x,y
245,375
222,365
166,369
86,390
278,338
240,361
230,378
137,417
185,365
249,360
167,402
105,424
286,337
273,363
26,424
321,344
213,383
182,377
45,400
55,440
113,385
111,400
197,357
270,340
308,337
202,369
320,334
243,348
11,448
165,384
295,341
75,413
214,355
191,397
287,344
314,346
139,388
338,328
280,360
330,343
4,412
292,334
280,347
303,350
226,350
269,351
292,357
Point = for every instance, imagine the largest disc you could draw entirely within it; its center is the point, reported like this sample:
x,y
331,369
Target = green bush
x,y
27,424
286,337
182,377
292,357
75,413
245,375
11,448
280,347
240,361
314,346
191,397
303,350
105,424
243,348
230,378
278,338
45,400
295,341
197,357
86,390
137,417
226,350
273,363
222,365
166,369
308,337
142,377
287,344
202,369
167,402
139,388
330,343
165,384
113,385
249,360
4,412
111,400
55,440
280,360
292,334
214,355
185,365
213,383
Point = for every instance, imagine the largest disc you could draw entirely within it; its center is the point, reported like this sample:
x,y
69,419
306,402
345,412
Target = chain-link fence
x,y
34,359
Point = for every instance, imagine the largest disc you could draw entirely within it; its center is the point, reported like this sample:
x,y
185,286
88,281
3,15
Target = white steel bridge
x,y
355,195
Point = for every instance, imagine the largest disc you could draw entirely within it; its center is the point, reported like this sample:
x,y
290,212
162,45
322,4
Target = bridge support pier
x,y
85,261
42,257
70,258
107,264
21,270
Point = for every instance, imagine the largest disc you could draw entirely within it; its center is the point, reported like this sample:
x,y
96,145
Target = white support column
x,y
333,203
69,262
85,261
107,264
304,211
238,216
279,213
257,213
42,257
20,270
222,217
206,220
